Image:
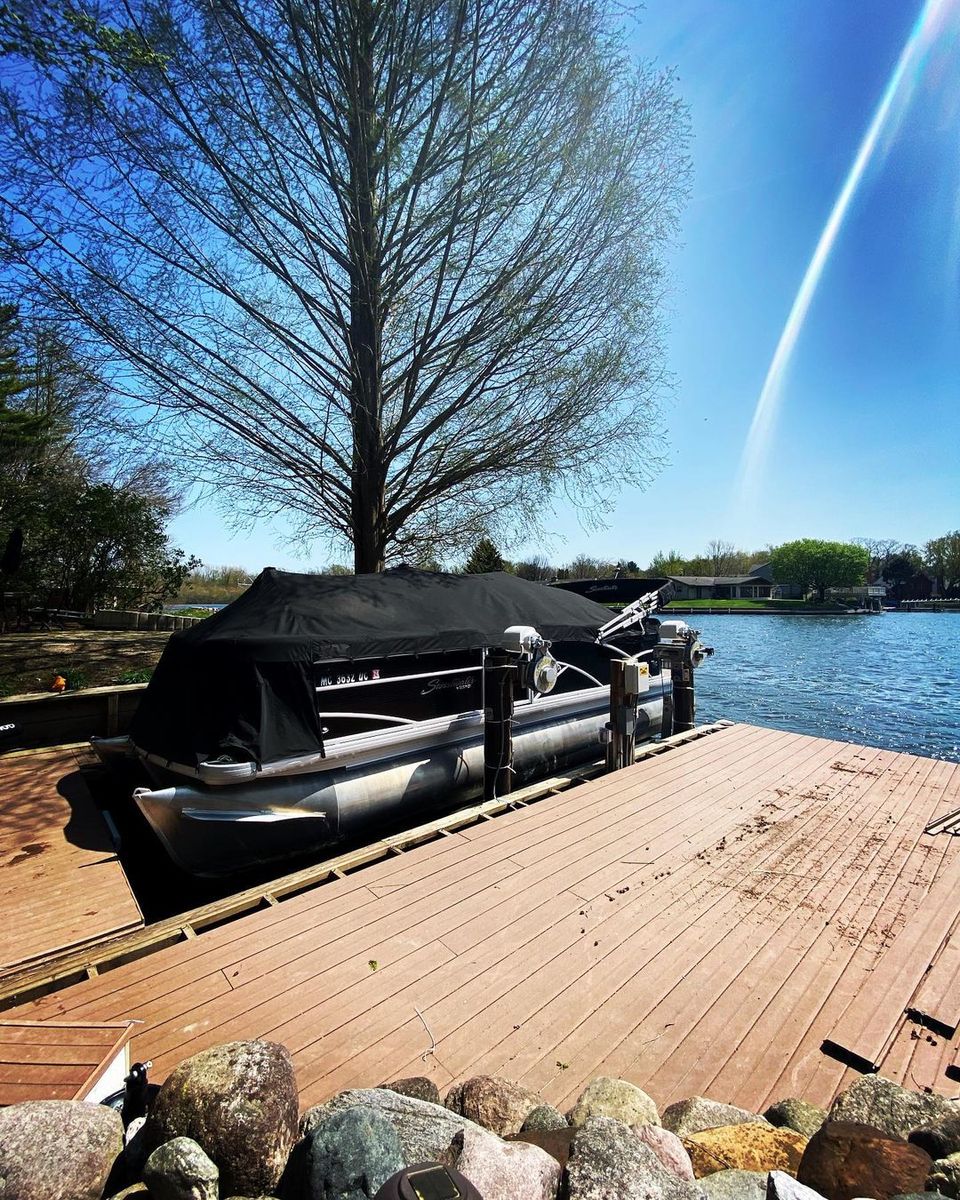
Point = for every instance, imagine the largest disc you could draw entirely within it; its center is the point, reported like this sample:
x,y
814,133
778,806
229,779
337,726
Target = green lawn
x,y
779,605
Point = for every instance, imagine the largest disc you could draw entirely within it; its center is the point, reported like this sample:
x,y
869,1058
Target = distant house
x,y
759,584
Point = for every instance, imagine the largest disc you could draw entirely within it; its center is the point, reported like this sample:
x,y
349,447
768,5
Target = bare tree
x,y
881,550
538,569
396,264
722,556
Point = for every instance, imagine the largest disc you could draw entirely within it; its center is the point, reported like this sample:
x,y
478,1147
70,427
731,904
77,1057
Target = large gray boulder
x,y
797,1114
179,1170
351,1155
616,1098
734,1185
542,1119
57,1149
940,1140
426,1131
506,1170
418,1086
497,1104
239,1102
608,1160
887,1106
699,1113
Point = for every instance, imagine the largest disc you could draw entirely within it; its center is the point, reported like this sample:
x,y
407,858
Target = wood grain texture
x,y
698,923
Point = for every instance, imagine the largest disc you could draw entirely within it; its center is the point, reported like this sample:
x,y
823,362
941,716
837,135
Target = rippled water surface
x,y
891,680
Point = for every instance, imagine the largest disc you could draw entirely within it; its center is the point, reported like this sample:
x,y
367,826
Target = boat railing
x,y
366,716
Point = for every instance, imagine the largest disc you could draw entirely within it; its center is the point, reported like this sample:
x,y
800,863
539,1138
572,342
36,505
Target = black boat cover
x,y
241,683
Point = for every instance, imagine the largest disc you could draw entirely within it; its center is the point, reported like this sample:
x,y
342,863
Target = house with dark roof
x,y
759,584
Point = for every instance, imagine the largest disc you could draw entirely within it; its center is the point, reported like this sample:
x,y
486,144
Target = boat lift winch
x,y
522,662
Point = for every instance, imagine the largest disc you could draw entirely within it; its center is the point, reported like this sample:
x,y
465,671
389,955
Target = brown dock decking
x,y
51,1060
699,923
60,882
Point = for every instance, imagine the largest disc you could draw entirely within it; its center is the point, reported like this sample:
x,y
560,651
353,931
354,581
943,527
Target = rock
x,y
885,1105
179,1170
136,1191
699,1113
781,1186
543,1117
940,1140
608,1160
616,1098
239,1102
796,1114
57,1149
351,1155
496,1104
844,1160
734,1185
426,1131
506,1170
748,1146
418,1086
920,1195
668,1148
556,1142
945,1176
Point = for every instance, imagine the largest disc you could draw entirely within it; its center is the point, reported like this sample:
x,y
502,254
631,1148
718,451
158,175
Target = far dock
x,y
747,914
61,884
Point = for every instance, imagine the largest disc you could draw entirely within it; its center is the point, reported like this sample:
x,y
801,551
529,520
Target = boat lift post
x,y
682,651
629,678
522,662
499,673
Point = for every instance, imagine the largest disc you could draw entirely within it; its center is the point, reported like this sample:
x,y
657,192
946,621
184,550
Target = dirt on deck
x,y
29,662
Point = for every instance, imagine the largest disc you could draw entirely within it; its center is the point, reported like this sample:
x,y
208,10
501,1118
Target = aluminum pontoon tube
x,y
211,831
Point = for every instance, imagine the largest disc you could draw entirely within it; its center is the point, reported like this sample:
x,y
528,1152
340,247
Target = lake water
x,y
891,681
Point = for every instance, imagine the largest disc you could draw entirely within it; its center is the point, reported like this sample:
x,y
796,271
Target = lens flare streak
x,y
883,125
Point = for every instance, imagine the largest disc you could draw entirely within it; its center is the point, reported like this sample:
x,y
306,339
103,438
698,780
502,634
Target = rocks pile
x,y
225,1124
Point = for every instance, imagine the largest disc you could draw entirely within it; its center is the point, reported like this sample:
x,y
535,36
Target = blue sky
x,y
865,442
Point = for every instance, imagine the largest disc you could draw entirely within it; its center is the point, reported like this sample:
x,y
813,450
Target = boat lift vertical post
x,y
628,678
681,650
500,669
681,675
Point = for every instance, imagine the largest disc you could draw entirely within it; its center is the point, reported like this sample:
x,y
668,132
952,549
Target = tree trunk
x,y
369,473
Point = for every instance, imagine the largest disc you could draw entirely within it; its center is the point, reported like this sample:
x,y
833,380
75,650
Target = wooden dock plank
x,y
867,1027
828,928
61,884
936,1002
687,922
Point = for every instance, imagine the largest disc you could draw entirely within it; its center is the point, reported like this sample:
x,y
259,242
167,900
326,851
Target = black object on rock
x,y
428,1181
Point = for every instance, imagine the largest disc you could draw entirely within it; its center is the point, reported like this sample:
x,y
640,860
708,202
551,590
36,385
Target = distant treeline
x,y
910,573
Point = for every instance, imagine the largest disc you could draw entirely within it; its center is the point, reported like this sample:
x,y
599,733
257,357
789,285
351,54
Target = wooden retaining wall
x,y
54,720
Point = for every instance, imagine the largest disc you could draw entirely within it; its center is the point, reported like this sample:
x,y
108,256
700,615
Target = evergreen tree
x,y
485,557
23,434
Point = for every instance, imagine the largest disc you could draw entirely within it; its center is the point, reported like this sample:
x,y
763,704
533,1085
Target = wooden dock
x,y
61,885
703,922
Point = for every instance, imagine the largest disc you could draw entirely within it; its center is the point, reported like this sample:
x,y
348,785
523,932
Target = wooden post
x,y
499,673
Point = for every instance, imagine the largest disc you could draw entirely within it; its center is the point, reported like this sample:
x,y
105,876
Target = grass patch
x,y
141,675
29,662
777,605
